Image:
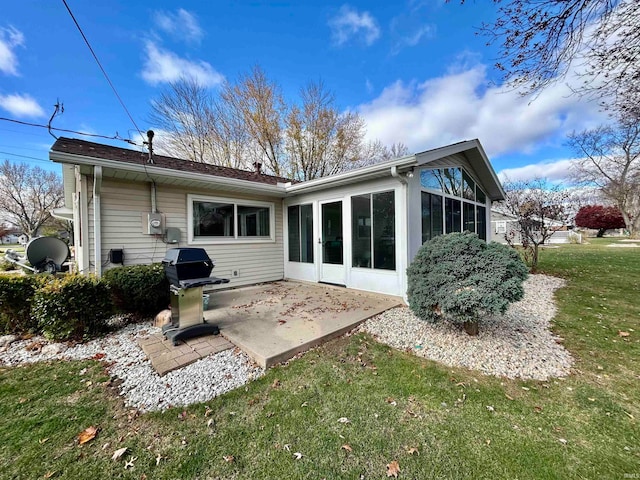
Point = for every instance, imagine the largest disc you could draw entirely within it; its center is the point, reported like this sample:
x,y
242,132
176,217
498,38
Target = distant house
x,y
359,229
14,238
505,225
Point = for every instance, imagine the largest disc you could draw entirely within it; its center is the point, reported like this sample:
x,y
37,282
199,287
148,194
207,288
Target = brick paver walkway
x,y
166,357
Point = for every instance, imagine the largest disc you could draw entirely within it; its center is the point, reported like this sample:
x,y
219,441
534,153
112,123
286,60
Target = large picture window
x,y
431,216
219,219
300,226
373,231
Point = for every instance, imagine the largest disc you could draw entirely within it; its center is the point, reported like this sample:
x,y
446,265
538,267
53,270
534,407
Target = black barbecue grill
x,y
188,270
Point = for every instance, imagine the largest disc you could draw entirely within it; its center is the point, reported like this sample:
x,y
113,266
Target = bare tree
x,y
610,158
319,139
27,195
257,102
539,209
249,121
543,40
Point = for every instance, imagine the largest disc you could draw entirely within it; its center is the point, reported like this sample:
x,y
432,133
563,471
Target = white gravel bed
x,y
517,344
140,385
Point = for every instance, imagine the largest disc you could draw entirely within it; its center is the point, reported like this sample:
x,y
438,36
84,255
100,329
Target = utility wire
x,y
26,156
102,69
114,137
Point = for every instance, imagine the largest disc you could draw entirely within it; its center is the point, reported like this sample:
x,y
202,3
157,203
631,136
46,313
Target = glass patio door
x,y
332,241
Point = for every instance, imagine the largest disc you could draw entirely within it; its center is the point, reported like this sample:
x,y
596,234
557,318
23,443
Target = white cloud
x,y
10,38
554,171
461,105
21,105
182,25
163,66
349,23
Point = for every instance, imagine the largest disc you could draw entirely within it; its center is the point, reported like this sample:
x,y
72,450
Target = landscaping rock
x,y
138,383
53,349
6,340
518,344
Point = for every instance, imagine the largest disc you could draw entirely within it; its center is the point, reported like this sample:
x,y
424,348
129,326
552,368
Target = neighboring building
x,y
14,238
505,225
360,229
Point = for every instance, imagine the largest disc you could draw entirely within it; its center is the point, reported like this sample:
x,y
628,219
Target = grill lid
x,y
175,256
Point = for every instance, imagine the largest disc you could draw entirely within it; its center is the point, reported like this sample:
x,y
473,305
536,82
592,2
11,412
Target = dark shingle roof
x,y
75,146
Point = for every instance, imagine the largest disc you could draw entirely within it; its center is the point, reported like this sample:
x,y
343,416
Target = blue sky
x,y
416,71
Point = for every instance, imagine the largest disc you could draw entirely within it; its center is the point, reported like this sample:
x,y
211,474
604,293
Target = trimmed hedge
x,y
72,307
462,278
139,289
16,293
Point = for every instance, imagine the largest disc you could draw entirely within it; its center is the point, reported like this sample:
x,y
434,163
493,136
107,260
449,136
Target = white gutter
x,y
351,175
97,230
150,169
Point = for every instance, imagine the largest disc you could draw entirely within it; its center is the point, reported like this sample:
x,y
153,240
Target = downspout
x,y
97,230
395,174
154,208
83,226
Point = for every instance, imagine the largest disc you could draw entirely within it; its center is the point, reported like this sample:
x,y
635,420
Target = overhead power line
x,y
102,69
113,137
25,156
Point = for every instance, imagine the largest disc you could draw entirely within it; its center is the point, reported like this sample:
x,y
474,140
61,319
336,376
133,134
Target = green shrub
x,y
461,278
6,266
16,294
72,307
139,289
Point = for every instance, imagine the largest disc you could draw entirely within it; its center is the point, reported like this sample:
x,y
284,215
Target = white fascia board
x,y
350,176
150,169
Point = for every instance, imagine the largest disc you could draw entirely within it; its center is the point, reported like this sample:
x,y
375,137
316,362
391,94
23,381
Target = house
x,y
15,237
360,228
505,224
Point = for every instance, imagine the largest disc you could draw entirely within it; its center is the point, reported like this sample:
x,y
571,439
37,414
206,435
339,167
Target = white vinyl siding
x,y
126,204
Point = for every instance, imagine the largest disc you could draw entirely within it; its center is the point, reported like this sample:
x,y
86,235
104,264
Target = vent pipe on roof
x,y
257,167
149,144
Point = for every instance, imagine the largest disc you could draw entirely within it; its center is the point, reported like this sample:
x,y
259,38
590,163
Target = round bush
x,y
72,307
461,278
142,290
16,294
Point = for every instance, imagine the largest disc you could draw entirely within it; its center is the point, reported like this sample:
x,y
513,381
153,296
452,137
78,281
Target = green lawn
x,y
584,426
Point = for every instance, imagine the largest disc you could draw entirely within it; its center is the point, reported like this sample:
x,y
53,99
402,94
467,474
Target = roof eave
x,y
151,170
356,175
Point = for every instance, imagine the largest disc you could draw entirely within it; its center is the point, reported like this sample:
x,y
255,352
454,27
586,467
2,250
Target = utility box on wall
x,y
152,223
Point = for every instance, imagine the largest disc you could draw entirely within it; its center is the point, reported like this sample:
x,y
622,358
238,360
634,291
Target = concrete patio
x,y
273,322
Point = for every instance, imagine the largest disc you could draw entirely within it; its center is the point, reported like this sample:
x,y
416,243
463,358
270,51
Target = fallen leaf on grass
x,y
276,383
281,322
391,401
347,447
129,463
118,453
43,440
87,435
623,334
228,458
344,420
562,441
158,458
297,455
413,450
50,474
393,469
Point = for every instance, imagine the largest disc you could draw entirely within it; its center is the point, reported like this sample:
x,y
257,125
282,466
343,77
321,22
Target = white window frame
x,y
235,239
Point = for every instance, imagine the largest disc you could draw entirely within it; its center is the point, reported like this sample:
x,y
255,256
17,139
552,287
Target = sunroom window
x,y
373,231
451,201
300,227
